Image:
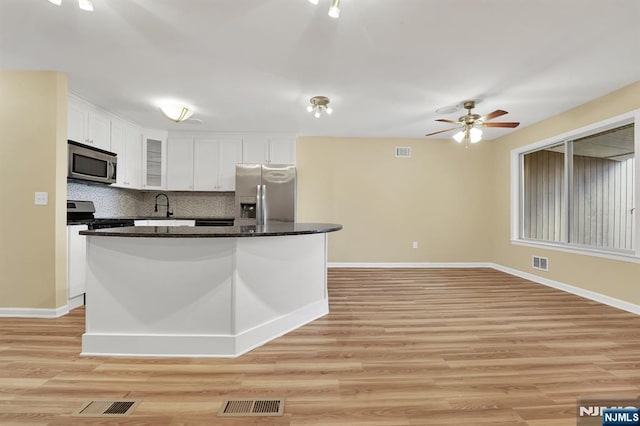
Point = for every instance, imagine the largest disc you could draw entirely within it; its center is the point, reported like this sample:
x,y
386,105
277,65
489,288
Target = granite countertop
x,y
168,218
269,230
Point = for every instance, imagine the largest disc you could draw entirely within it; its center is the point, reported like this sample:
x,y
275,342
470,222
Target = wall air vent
x,y
540,263
403,152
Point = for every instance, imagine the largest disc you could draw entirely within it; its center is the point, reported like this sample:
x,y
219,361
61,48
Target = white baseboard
x,y
587,294
34,312
75,302
409,265
200,345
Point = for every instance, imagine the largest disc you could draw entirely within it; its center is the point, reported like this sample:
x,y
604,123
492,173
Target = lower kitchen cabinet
x,y
76,260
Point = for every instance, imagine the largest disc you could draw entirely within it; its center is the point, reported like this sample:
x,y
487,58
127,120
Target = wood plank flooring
x,y
400,347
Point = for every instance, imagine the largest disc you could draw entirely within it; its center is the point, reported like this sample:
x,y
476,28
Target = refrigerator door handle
x,y
265,207
259,206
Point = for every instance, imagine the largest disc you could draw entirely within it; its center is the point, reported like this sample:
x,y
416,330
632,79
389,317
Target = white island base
x,y
200,297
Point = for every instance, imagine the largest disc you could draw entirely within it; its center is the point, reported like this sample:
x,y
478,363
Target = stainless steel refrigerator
x,y
265,192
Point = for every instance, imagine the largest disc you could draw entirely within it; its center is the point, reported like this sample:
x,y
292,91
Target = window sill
x,y
621,256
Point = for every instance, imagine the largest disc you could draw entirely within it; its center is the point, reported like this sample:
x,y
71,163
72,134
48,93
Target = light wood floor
x,y
400,347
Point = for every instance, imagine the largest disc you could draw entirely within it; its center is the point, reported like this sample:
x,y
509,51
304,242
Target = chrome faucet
x,y
169,212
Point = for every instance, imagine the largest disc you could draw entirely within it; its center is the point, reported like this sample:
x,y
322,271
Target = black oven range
x,y
82,212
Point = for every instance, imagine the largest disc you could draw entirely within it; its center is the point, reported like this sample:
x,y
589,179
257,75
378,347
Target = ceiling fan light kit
x,y
334,9
82,4
319,104
469,125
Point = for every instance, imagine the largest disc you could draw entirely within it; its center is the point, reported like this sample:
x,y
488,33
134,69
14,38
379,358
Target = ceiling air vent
x,y
403,152
540,263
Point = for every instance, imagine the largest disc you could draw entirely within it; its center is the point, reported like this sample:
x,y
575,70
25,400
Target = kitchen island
x,y
202,291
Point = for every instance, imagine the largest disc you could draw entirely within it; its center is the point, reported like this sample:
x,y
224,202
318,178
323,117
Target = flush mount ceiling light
x,y
82,4
177,112
319,104
334,9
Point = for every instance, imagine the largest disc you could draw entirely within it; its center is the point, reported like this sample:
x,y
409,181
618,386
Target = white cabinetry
x,y
76,260
255,149
229,154
268,149
203,164
180,164
154,156
126,141
215,163
282,151
86,124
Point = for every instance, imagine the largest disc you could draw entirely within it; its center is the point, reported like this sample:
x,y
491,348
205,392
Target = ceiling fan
x,y
469,125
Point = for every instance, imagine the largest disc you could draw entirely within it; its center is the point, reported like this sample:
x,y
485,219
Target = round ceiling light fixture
x,y
177,112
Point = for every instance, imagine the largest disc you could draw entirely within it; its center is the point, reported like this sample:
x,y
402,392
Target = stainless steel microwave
x,y
91,164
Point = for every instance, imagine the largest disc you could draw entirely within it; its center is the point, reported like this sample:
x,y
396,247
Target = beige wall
x,y
33,108
454,201
438,197
610,277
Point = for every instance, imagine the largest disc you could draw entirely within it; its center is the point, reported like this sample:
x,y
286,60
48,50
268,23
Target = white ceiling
x,y
387,65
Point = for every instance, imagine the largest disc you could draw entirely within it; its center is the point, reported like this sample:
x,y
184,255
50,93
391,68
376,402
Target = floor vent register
x,y
121,408
252,407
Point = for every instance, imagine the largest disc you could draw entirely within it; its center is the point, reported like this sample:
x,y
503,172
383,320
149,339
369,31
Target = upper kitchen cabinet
x,y
86,124
154,159
282,151
215,162
229,154
203,163
180,164
269,149
126,141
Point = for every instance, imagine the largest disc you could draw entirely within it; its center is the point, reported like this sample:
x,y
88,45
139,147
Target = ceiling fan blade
x,y
511,124
494,114
444,120
442,131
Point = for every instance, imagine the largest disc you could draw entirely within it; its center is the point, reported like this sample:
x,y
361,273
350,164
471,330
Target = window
x,y
578,191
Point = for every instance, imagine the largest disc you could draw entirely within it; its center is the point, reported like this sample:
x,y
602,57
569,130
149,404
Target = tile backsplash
x,y
190,204
119,202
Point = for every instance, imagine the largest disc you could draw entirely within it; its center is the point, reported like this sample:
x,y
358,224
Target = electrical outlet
x,y
415,244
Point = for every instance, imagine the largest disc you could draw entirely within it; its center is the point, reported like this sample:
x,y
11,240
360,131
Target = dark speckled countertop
x,y
168,218
269,230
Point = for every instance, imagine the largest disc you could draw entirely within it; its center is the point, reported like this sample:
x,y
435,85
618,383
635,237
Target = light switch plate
x,y
41,198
